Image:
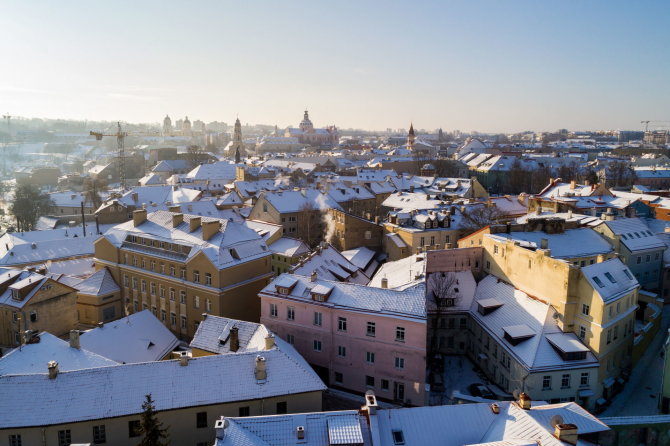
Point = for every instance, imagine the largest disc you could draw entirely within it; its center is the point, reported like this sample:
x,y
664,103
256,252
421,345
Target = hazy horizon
x,y
481,65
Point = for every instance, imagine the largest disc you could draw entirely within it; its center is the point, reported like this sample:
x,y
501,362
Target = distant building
x,y
307,134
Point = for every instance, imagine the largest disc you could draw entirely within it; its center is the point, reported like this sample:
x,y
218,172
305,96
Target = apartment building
x,y
356,337
180,266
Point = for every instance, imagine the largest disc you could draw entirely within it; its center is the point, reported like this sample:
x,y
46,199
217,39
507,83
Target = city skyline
x,y
481,66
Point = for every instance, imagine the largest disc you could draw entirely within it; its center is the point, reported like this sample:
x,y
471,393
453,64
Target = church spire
x,y
411,136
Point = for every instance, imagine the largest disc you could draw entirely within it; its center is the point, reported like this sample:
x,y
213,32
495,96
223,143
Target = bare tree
x,y
310,224
479,217
441,292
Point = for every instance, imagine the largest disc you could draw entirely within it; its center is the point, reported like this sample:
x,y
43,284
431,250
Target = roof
x,y
33,358
40,246
572,243
363,258
611,279
119,390
289,247
405,302
401,272
213,335
635,234
330,264
448,425
138,337
98,284
221,170
295,201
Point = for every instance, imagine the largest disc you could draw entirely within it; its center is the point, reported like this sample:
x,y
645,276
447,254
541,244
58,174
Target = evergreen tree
x,y
154,434
29,204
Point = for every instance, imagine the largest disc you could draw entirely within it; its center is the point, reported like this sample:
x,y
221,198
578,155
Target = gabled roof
x,y
98,284
139,337
33,358
289,247
295,201
635,234
611,279
330,264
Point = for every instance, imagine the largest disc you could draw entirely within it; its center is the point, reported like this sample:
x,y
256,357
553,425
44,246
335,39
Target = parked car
x,y
482,391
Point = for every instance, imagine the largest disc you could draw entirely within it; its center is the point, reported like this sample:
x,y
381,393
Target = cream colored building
x,y
181,266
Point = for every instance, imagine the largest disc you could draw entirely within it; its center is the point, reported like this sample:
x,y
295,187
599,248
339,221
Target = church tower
x,y
167,126
411,137
236,146
186,127
306,125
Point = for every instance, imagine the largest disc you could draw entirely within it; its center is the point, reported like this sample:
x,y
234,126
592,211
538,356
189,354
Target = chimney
x,y
135,196
566,433
220,428
261,372
100,324
269,341
52,366
183,360
234,339
210,228
573,185
495,408
193,224
177,219
544,243
300,432
524,401
139,217
385,282
312,278
175,208
74,339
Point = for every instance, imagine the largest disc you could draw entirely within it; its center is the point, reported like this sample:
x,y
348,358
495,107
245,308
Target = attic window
x,y
486,306
627,274
598,282
516,334
234,254
610,277
398,437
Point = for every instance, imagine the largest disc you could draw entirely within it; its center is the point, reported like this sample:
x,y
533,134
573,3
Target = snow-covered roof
x,y
33,357
158,194
221,170
139,337
289,247
573,243
611,279
330,264
98,284
635,234
171,165
407,301
401,272
233,244
363,258
119,390
295,201
21,248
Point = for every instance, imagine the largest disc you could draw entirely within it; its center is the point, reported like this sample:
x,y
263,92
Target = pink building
x,y
355,337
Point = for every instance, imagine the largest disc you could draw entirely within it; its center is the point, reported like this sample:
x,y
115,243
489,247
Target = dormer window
x,y
320,293
515,334
16,294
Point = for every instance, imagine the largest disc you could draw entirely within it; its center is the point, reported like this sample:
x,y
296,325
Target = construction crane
x,y
120,144
646,124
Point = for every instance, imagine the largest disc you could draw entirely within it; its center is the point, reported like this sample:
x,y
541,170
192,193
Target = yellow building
x,y
31,301
181,266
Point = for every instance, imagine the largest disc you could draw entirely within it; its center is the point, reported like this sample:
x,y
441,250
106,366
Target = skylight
x,y
627,274
623,236
610,277
398,437
599,282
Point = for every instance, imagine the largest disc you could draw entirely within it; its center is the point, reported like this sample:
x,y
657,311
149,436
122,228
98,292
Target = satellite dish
x,y
516,393
556,420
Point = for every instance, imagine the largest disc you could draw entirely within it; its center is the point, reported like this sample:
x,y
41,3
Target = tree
x,y
29,204
93,187
154,434
478,217
310,224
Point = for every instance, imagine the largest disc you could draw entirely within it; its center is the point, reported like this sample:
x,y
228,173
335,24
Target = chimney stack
x,y
524,401
567,433
269,341
385,282
220,428
183,360
52,366
174,208
300,432
74,339
261,372
177,219
210,228
313,277
193,224
139,217
234,339
544,243
573,185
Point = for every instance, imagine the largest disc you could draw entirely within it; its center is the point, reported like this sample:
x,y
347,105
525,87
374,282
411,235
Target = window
x,y
201,420
196,301
648,258
368,235
182,273
342,324
610,277
565,381
134,283
371,330
273,310
161,292
33,316
15,440
99,435
615,335
290,313
422,241
582,332
183,322
153,266
628,274
400,334
125,281
163,315
282,407
152,287
639,260
385,384
196,276
463,323
370,357
598,282
317,345
208,305
243,411
546,382
609,336
182,297
338,377
584,379
64,437
317,318
495,249
488,265
398,437
290,339
370,381
143,286
586,309
172,270
208,279
341,351
399,363
172,294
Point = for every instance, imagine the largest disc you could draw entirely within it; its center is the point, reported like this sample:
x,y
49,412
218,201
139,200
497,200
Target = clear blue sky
x,y
499,65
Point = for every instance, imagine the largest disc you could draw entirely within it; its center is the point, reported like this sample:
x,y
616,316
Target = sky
x,y
487,65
